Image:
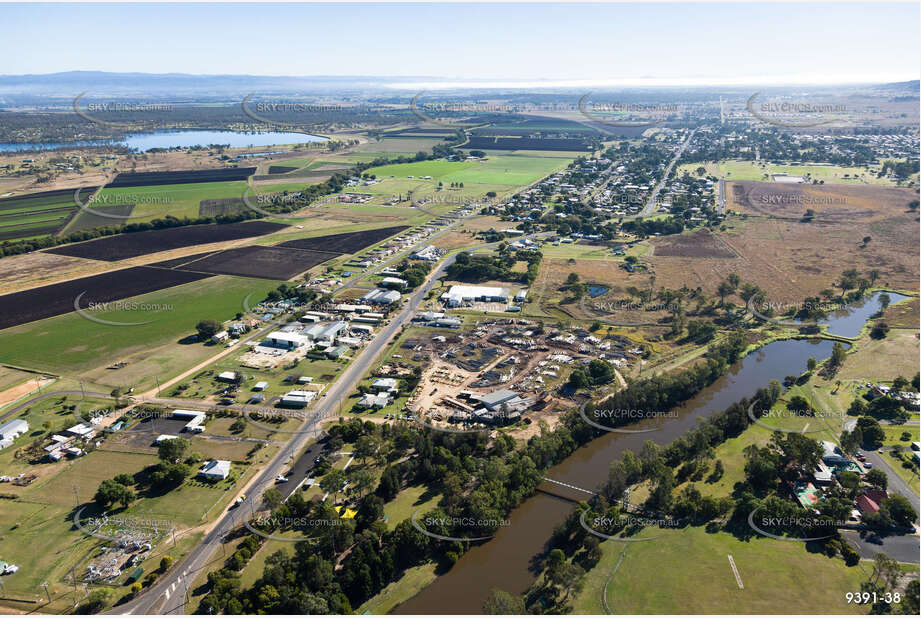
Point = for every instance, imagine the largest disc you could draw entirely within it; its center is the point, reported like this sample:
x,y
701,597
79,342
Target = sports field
x,y
693,566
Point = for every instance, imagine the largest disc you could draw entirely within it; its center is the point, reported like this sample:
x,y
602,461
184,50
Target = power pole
x,y
47,594
82,390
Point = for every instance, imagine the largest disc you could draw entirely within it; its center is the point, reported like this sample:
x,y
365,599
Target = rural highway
x,y
169,594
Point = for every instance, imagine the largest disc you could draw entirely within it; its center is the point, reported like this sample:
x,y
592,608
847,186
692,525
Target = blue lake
x,y
179,139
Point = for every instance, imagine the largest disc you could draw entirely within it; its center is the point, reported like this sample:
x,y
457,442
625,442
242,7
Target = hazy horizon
x,y
454,45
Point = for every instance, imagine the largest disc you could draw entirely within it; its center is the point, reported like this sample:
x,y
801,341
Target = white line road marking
x,y
167,595
735,572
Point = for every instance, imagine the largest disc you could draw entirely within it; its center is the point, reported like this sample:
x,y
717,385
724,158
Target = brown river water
x,y
509,561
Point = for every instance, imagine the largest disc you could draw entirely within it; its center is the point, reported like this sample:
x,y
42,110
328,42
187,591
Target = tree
x,y
877,478
851,440
207,329
838,353
165,563
124,479
365,447
880,330
811,364
873,434
172,450
572,278
501,602
900,510
111,492
333,482
272,498
723,290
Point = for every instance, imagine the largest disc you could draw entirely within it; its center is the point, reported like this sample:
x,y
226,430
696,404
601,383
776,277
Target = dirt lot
x,y
18,272
697,244
838,203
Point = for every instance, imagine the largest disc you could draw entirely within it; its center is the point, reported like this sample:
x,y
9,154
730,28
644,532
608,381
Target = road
x,y
896,483
868,544
169,594
721,196
651,202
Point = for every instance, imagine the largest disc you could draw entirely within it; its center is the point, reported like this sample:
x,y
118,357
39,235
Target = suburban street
x,y
868,544
651,202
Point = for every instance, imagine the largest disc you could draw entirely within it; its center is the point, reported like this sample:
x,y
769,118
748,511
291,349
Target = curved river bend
x,y
509,560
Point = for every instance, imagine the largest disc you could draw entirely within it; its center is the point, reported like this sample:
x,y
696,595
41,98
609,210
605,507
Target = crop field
x,y
158,200
279,263
280,169
349,242
87,220
122,246
499,172
39,268
160,347
59,298
529,143
141,179
37,214
396,146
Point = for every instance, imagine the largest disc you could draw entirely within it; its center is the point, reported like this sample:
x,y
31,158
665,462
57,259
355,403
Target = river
x,y
509,560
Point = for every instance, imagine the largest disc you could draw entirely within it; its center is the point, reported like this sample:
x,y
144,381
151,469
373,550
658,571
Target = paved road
x,y
721,196
896,483
901,548
169,594
651,202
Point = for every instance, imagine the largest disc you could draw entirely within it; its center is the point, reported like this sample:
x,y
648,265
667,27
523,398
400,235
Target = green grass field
x,y
687,571
70,343
761,170
178,200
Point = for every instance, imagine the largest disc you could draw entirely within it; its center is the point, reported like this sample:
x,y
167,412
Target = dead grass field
x,y
883,359
697,244
904,315
29,270
790,259
831,202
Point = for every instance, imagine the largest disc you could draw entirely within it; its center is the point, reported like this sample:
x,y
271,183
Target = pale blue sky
x,y
570,42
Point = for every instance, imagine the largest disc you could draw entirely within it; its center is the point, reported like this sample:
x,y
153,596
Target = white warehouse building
x,y
462,294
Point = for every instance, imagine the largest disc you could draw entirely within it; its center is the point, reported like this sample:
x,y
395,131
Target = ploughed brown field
x,y
263,262
123,246
59,298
